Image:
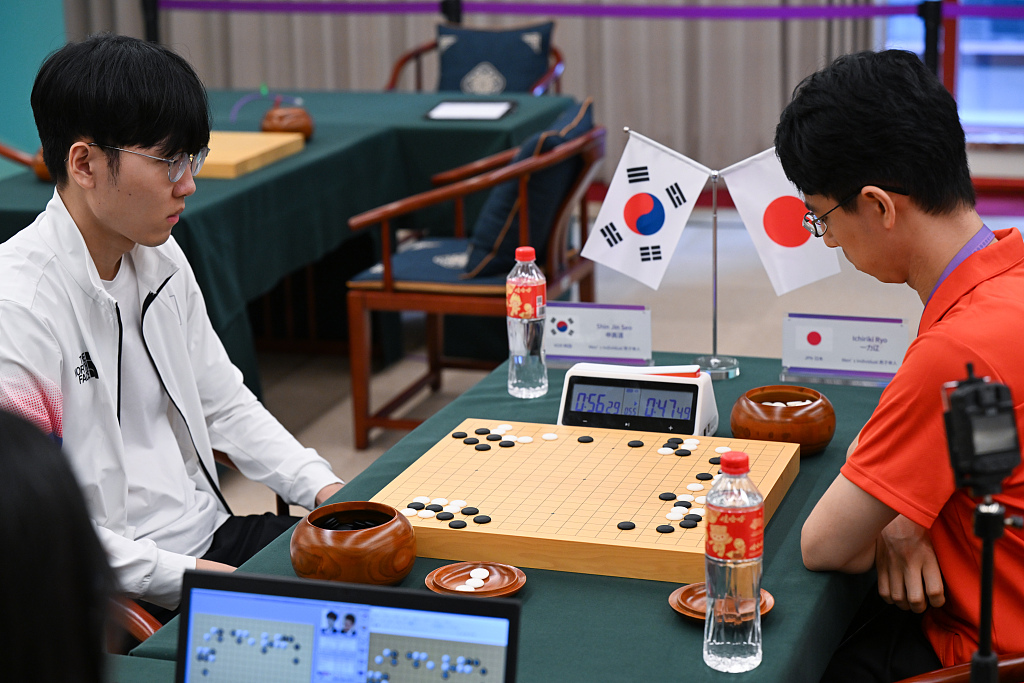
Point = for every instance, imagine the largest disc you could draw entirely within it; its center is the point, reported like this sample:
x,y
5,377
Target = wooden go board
x,y
235,153
555,504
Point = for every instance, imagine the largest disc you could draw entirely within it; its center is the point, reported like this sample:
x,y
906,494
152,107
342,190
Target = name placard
x,y
842,349
597,333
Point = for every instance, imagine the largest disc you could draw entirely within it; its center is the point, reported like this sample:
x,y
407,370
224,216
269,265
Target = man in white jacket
x,y
105,343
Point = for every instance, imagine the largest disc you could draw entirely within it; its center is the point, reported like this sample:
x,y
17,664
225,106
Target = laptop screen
x,y
238,627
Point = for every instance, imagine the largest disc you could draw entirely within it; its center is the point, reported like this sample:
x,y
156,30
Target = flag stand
x,y
717,367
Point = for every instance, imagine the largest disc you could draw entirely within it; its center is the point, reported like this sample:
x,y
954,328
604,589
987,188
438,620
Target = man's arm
x,y
841,532
908,571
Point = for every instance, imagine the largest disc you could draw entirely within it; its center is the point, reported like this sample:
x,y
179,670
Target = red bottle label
x,y
734,533
525,301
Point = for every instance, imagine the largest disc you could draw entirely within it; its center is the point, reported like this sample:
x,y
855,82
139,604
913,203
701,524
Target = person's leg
x,y
239,538
883,644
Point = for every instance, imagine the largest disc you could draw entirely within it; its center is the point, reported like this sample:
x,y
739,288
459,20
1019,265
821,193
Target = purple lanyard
x,y
981,239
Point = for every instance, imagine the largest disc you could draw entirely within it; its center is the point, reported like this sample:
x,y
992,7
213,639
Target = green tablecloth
x,y
578,627
243,235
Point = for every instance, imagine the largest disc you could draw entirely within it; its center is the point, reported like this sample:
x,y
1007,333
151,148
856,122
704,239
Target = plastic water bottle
x,y
526,293
733,550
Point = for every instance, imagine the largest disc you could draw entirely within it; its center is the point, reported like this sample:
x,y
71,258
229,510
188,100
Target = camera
x,y
981,430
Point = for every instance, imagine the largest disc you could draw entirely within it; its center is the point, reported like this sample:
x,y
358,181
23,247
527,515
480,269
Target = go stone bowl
x,y
383,554
811,425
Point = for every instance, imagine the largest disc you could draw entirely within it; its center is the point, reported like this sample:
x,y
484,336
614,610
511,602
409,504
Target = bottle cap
x,y
735,462
525,254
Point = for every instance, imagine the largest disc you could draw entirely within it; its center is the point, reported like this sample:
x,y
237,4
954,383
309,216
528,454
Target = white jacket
x,y
60,338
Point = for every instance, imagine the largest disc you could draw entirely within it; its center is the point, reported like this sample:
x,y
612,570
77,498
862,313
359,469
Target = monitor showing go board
x,y
249,628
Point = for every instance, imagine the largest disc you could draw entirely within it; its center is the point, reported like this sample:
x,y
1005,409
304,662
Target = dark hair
x,y
118,91
876,118
332,615
54,577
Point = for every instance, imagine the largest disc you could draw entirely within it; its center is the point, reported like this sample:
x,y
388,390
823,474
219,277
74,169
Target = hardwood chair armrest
x,y
128,616
474,167
16,155
1010,670
476,183
405,58
552,75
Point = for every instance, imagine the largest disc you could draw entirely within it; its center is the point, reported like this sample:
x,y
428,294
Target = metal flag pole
x,y
718,367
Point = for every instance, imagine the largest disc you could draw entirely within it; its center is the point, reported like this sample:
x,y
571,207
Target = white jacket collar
x,y
66,241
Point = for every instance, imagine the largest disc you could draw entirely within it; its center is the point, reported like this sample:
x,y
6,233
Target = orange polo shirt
x,y
976,315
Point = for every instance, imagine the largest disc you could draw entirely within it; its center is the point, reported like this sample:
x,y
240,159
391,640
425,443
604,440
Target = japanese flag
x,y
773,212
816,338
649,201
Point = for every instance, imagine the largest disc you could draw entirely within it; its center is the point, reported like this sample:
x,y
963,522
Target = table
x,y
578,627
242,236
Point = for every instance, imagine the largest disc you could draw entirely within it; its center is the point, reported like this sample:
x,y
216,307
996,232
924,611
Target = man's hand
x,y
211,566
908,573
326,492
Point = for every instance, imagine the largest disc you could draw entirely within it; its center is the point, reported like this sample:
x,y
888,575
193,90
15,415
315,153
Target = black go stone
x,y
434,507
715,460
665,528
626,526
483,446
693,518
482,431
675,439
457,524
682,451
459,435
705,476
635,444
507,444
667,445
470,441
481,519
687,524
470,511
494,437
683,504
445,516
417,506
585,439
667,496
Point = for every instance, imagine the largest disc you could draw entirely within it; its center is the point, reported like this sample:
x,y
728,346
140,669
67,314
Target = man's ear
x,y
82,160
881,204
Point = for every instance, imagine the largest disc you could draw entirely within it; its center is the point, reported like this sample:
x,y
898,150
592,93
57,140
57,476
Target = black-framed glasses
x,y
176,165
816,225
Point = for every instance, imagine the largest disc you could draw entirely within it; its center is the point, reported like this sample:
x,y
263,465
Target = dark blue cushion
x,y
490,62
495,235
437,262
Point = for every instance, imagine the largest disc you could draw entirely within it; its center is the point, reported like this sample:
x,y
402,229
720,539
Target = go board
x,y
555,503
235,153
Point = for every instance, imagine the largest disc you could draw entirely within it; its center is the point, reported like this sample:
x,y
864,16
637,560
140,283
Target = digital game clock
x,y
677,399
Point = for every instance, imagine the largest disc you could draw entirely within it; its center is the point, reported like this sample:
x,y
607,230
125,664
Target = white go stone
x,y
439,501
458,504
465,589
685,496
722,449
453,508
695,487
549,436
665,451
421,499
480,573
525,439
425,514
700,500
475,583
409,512
504,427
674,516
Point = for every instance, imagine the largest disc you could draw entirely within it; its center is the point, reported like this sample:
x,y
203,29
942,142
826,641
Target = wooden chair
x,y
563,267
551,78
1011,670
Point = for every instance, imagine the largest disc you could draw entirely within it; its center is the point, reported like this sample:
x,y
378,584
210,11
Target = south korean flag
x,y
648,203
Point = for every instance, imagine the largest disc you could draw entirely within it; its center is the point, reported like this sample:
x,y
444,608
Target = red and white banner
x,y
773,211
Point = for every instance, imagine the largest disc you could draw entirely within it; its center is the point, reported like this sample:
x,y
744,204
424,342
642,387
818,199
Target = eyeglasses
x,y
816,225
176,165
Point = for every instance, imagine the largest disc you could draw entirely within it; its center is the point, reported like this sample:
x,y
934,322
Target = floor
x,y
310,394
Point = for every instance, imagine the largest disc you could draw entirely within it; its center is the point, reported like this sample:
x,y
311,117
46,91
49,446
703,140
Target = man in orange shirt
x,y
875,144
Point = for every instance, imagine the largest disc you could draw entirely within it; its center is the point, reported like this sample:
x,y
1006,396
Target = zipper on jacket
x,y
120,345
142,319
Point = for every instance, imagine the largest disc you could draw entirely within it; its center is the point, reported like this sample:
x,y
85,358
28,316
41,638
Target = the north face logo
x,y
87,370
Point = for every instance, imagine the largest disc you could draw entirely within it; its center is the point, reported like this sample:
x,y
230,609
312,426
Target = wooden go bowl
x,y
381,555
812,425
288,120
